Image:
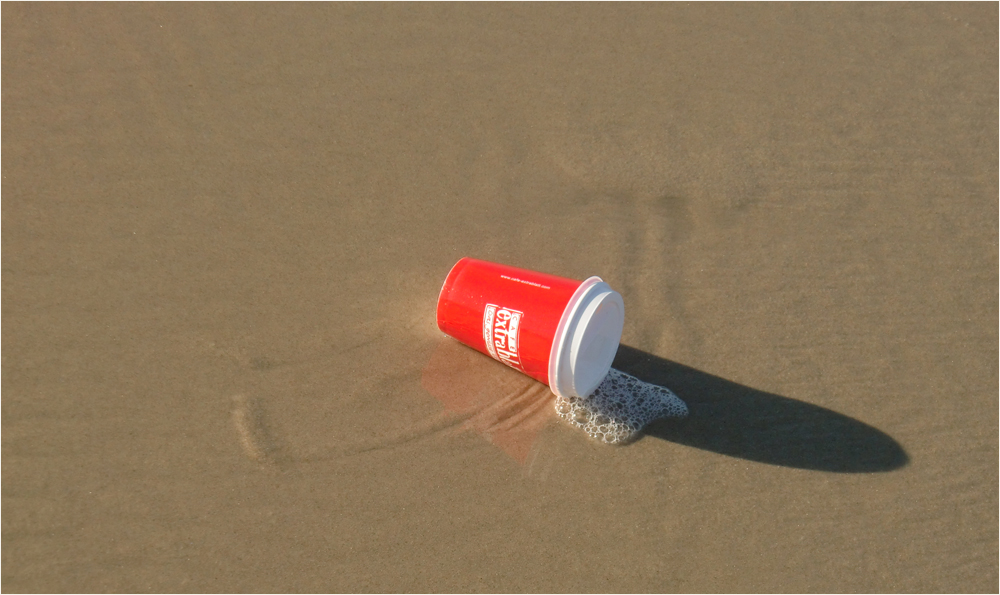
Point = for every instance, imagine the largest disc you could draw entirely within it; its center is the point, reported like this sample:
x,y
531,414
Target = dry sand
x,y
225,227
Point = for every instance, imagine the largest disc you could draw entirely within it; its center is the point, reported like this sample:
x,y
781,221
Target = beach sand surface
x,y
225,226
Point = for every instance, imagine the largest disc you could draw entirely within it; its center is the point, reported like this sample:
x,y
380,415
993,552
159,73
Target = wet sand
x,y
225,227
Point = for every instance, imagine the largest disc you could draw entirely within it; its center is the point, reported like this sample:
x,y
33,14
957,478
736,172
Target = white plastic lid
x,y
586,339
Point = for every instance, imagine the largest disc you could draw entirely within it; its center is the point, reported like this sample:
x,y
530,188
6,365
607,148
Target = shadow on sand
x,y
742,422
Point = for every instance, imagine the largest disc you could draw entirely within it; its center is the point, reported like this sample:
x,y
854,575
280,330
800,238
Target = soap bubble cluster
x,y
620,407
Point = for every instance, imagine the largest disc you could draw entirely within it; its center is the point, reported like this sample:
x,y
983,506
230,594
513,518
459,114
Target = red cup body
x,y
510,314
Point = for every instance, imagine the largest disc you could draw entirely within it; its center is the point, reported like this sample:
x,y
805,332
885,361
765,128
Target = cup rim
x,y
588,291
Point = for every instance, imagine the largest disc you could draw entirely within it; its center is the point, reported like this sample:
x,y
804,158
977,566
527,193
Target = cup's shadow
x,y
735,420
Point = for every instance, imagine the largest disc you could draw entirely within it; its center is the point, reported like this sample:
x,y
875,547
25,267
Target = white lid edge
x,y
557,350
587,374
572,325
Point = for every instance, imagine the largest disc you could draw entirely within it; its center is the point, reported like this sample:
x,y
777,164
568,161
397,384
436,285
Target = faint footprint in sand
x,y
257,442
260,445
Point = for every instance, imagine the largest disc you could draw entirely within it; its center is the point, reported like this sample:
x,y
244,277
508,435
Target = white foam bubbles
x,y
620,408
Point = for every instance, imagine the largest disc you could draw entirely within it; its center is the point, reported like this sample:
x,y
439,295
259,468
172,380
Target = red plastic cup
x,y
559,331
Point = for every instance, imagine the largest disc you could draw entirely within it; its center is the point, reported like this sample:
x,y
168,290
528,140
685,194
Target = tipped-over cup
x,y
559,331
